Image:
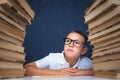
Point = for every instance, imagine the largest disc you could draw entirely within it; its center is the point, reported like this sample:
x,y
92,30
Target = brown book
x,y
9,46
3,1
106,74
104,18
27,8
105,25
11,30
108,51
106,48
118,75
7,11
10,21
21,6
106,31
11,56
10,65
115,56
95,4
19,10
107,65
106,43
102,8
108,36
10,39
12,73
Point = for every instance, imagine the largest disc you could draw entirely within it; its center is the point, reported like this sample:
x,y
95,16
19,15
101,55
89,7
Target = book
x,y
107,65
93,6
106,74
104,18
9,46
106,43
10,39
10,21
106,48
3,1
10,65
118,75
108,57
108,36
101,9
105,25
7,11
11,30
104,32
108,51
20,10
27,8
12,73
14,16
11,56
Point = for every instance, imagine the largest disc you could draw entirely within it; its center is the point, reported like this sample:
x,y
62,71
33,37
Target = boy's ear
x,y
84,50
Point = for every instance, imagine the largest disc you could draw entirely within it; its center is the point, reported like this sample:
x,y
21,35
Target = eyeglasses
x,y
76,43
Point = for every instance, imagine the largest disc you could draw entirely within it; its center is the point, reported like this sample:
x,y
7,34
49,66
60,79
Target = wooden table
x,y
60,78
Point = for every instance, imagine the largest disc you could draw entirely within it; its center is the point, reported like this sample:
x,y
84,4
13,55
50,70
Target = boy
x,y
67,63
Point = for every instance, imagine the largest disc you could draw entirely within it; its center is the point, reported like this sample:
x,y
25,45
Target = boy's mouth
x,y
70,50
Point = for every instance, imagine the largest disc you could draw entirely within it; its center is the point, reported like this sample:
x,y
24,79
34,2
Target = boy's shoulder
x,y
84,58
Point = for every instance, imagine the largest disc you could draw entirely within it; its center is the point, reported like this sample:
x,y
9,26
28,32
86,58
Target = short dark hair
x,y
81,33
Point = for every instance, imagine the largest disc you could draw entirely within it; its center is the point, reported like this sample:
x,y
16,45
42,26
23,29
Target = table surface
x,y
60,78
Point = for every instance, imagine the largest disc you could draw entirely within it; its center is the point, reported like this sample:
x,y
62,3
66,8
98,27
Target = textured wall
x,y
53,20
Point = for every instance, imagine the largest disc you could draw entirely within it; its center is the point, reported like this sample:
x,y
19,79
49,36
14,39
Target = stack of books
x,y
15,15
103,19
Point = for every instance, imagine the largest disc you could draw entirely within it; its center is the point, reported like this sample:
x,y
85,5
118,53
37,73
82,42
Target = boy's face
x,y
75,48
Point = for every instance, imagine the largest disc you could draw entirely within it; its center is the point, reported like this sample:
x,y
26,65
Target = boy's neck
x,y
72,61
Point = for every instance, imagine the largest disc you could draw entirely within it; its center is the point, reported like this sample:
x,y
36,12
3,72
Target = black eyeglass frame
x,y
74,42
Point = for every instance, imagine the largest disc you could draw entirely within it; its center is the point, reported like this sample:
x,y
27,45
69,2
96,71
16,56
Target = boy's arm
x,y
83,72
33,70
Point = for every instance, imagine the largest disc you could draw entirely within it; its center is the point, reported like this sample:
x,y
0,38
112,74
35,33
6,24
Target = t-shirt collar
x,y
64,61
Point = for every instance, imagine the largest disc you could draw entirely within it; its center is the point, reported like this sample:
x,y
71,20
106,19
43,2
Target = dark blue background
x,y
53,20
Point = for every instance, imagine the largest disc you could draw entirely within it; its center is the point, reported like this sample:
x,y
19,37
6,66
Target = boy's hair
x,y
82,34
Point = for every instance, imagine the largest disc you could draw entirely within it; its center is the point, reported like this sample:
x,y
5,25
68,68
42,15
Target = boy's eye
x,y
76,42
67,40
